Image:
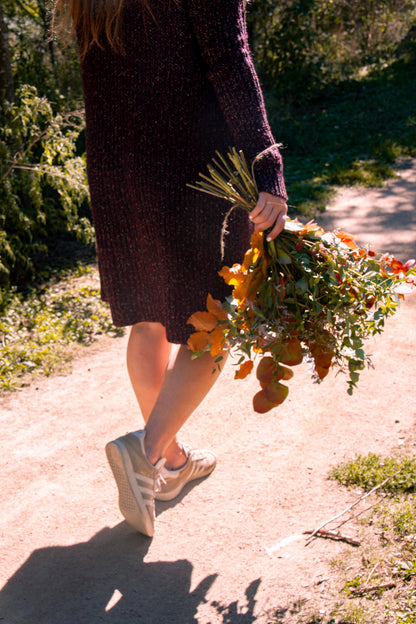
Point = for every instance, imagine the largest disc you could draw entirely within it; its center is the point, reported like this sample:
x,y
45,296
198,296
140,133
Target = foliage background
x,y
43,187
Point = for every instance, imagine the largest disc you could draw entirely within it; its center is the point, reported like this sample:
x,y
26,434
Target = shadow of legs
x,y
102,580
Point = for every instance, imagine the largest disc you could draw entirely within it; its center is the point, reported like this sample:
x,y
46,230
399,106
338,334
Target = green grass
x,y
403,516
371,470
349,133
38,328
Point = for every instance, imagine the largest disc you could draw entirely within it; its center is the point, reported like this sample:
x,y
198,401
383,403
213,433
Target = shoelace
x,y
159,481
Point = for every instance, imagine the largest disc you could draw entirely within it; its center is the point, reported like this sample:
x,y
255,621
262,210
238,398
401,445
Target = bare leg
x,y
148,353
186,383
168,391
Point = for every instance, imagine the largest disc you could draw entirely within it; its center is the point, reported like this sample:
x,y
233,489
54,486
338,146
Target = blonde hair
x,y
90,20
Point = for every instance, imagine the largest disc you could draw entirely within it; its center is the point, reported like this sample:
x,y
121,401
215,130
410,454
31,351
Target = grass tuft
x,y
362,173
39,327
371,470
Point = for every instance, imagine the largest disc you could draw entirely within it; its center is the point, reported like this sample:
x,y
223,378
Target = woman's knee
x,y
147,330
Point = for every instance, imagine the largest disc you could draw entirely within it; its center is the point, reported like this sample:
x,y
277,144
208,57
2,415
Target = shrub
x,y
43,185
302,45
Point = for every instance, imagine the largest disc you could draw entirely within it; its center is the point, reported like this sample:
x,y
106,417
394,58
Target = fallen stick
x,y
359,591
337,536
372,572
363,511
377,487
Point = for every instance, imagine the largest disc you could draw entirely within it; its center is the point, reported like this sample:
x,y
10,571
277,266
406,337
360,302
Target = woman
x,y
166,84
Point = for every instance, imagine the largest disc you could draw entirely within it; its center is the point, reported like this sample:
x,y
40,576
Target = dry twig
x,y
337,536
363,511
367,589
372,572
377,487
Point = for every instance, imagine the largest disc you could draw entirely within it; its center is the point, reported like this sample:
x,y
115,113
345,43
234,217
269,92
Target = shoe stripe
x,y
142,477
133,496
193,471
146,492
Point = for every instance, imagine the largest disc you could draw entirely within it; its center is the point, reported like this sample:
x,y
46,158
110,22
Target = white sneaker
x,y
136,479
200,463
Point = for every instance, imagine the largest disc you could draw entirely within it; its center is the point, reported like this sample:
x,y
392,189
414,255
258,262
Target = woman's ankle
x,y
176,457
174,453
152,453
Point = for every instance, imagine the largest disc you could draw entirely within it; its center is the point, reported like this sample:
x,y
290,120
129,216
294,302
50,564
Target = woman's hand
x,y
270,211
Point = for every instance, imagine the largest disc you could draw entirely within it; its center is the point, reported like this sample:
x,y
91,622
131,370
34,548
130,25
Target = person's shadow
x,y
106,580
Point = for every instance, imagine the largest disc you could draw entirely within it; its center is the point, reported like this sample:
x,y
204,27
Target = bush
x,y
302,45
43,185
39,59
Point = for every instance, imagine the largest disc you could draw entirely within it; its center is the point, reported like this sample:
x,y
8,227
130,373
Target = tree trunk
x,y
6,75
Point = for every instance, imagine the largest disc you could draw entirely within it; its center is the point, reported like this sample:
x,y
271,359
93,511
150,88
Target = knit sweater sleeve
x,y
221,32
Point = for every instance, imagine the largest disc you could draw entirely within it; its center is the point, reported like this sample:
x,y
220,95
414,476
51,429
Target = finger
x,y
265,225
265,215
278,226
259,206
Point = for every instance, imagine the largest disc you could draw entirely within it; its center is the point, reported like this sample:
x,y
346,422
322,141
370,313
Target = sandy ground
x,y
230,549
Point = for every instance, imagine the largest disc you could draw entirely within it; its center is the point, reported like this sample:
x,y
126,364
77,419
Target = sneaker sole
x,y
131,502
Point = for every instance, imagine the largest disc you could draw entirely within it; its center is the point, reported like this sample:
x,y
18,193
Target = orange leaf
x,y
248,289
256,241
257,244
311,227
261,403
217,341
291,352
198,341
321,371
215,307
203,321
255,252
347,239
250,257
244,370
233,276
257,279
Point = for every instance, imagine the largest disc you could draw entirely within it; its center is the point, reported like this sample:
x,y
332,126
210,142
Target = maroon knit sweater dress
x,y
183,87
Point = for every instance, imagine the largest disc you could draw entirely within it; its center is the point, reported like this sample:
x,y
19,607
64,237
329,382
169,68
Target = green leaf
x,y
283,258
302,285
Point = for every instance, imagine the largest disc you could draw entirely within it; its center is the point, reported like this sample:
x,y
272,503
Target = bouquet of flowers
x,y
308,295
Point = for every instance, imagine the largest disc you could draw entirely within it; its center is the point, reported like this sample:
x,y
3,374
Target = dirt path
x,y
230,549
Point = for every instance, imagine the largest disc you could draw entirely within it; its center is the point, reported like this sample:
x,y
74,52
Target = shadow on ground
x,y
107,580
